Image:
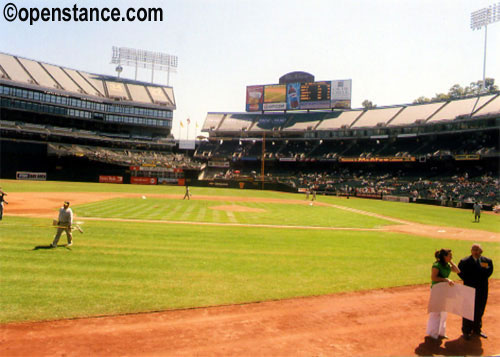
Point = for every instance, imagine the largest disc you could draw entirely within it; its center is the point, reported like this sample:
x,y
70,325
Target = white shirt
x,y
65,216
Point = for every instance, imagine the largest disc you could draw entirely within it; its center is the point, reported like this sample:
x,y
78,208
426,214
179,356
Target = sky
x,y
393,50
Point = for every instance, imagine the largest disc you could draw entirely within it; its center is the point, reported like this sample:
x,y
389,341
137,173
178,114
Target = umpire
x,y
475,271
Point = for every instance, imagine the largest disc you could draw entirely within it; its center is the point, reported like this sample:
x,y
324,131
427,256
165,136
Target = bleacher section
x,y
123,157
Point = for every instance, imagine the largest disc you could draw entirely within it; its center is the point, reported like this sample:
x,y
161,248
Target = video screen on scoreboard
x,y
275,97
315,95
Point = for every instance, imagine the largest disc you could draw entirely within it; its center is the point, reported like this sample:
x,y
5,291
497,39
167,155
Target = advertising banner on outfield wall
x,y
34,176
378,159
110,179
143,180
167,180
222,164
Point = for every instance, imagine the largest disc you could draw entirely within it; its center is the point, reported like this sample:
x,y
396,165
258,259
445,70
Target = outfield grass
x,y
426,214
57,186
203,211
123,267
130,267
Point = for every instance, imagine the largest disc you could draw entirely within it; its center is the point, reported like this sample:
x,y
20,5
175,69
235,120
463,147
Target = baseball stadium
x,y
298,226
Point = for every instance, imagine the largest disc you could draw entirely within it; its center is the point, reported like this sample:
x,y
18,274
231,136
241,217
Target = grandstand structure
x,y
66,124
420,151
52,117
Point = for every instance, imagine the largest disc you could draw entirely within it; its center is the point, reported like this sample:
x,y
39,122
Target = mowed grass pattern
x,y
123,267
426,214
203,211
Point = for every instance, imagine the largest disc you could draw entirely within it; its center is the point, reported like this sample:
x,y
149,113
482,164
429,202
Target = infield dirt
x,y
383,322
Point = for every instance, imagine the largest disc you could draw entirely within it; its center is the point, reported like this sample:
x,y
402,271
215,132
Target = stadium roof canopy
x,y
474,107
33,74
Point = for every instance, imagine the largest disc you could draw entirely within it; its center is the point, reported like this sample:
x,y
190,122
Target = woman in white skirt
x,y
441,269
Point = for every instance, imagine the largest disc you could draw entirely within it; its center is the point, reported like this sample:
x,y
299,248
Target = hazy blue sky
x,y
393,50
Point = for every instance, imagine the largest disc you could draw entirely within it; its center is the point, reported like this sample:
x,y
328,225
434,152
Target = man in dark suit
x,y
475,271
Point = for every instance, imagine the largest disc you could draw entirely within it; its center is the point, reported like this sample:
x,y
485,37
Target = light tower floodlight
x,y
484,17
145,59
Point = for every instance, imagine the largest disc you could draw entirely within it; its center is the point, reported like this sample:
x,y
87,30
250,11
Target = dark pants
x,y
475,326
1,211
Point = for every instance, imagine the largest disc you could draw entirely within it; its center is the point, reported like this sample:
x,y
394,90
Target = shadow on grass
x,y
49,246
457,347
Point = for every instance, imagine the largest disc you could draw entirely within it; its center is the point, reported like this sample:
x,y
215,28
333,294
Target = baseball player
x,y
64,223
187,194
2,200
476,209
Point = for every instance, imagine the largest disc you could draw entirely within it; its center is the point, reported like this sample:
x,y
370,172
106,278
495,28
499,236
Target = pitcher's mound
x,y
236,208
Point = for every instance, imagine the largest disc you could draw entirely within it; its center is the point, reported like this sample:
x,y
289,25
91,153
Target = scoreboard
x,y
317,91
300,96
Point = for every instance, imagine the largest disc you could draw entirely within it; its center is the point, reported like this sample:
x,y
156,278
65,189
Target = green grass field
x,y
123,267
200,211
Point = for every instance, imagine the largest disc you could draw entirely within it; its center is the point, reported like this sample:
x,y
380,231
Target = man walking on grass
x,y
64,223
187,194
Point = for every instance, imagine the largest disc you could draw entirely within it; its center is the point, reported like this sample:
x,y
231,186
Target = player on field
x,y
187,194
2,200
64,223
476,209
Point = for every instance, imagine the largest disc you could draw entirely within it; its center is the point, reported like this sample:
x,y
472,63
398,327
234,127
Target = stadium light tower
x,y
144,59
484,17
